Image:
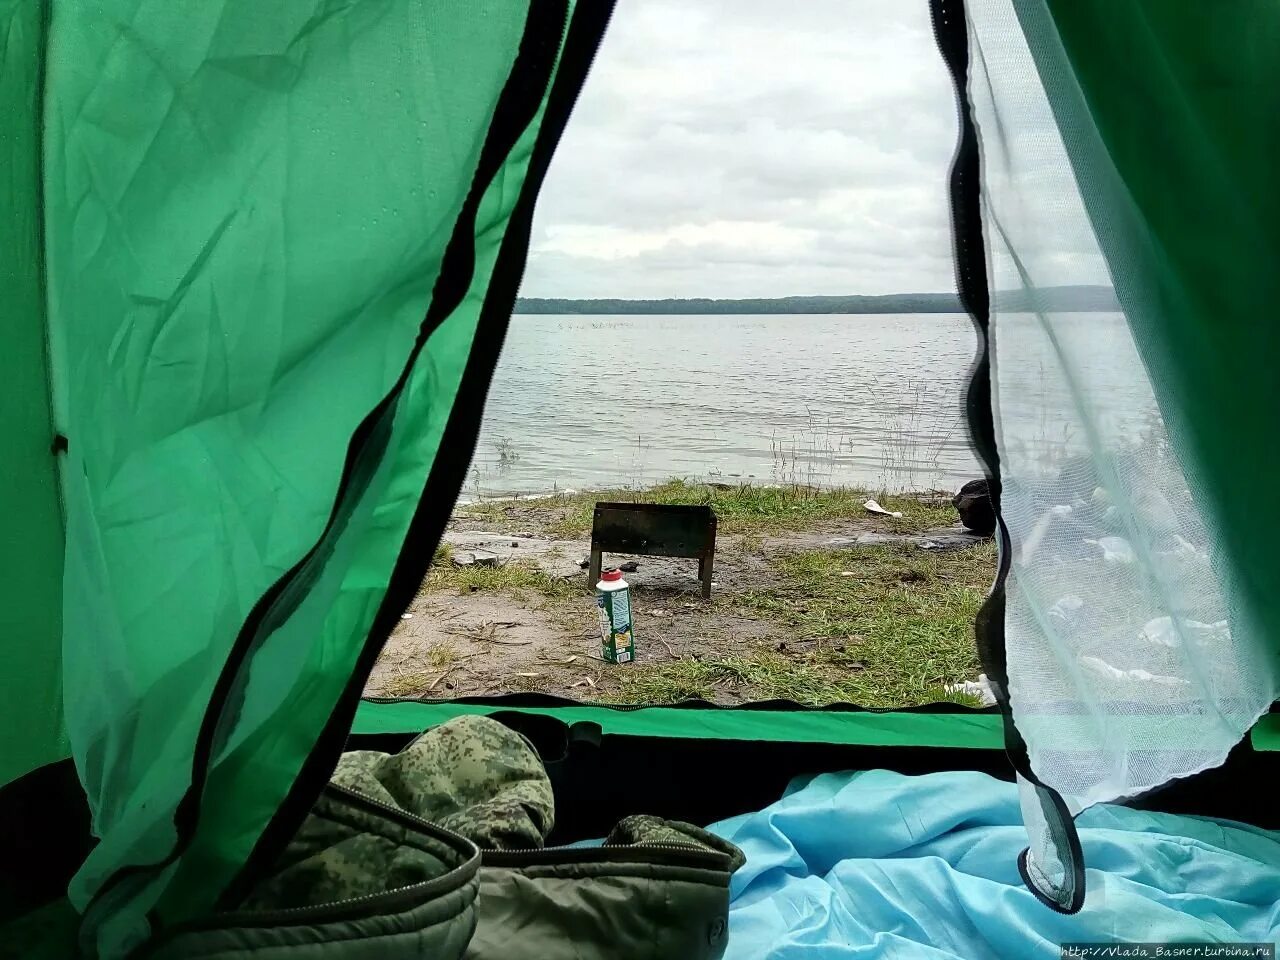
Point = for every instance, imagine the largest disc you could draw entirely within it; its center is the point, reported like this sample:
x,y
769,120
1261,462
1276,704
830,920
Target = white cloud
x,y
741,148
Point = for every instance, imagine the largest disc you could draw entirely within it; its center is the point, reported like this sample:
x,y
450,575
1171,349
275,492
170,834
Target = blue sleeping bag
x,y
877,864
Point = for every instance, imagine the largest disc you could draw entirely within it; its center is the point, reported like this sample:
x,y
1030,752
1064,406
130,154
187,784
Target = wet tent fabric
x,y
1131,144
248,213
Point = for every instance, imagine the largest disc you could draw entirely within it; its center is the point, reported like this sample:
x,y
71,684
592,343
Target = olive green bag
x,y
438,851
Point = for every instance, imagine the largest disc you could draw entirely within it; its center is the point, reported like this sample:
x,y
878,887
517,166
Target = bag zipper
x,y
691,853
606,853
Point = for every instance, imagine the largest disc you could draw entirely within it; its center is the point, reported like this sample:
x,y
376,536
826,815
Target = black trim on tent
x,y
448,472
516,108
534,699
1067,896
951,29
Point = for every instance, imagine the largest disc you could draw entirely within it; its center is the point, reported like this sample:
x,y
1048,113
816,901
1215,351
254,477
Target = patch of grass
x,y
892,623
408,684
442,655
943,695
761,676
747,510
518,579
439,658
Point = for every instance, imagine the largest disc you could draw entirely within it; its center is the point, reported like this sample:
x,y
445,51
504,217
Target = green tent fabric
x,y
1185,103
248,211
31,537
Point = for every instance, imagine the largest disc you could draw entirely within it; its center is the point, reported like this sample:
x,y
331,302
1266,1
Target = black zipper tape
x,y
951,29
652,854
518,701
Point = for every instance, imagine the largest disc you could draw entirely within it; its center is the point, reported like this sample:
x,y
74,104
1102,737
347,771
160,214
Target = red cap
x,y
609,576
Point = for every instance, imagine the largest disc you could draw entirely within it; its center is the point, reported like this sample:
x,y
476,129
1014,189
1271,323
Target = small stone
x,y
631,566
584,562
514,544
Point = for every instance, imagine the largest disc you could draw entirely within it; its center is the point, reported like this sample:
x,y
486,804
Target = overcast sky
x,y
742,148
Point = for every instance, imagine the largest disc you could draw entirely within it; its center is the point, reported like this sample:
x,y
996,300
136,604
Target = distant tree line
x,y
1076,298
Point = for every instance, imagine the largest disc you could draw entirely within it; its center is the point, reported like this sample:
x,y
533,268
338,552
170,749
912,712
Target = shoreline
x,y
921,493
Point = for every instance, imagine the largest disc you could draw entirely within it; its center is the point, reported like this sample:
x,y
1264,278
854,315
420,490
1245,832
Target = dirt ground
x,y
529,621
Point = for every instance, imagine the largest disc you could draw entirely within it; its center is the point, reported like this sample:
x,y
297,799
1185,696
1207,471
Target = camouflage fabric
x,y
645,829
472,776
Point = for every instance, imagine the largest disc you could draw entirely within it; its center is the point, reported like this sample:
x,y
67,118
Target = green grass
x,y
892,634
518,579
895,631
439,659
761,676
746,510
766,675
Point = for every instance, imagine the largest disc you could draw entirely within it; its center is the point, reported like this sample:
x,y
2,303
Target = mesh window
x,y
1132,653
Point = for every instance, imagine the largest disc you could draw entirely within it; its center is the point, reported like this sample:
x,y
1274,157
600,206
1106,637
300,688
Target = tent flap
x,y
31,543
1129,144
271,240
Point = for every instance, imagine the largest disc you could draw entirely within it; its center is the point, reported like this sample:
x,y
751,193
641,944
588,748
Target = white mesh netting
x,y
1130,660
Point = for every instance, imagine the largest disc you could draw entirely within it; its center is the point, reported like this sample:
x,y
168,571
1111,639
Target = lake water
x,y
874,401
594,402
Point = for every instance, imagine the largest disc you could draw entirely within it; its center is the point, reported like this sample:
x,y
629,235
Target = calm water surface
x,y
873,401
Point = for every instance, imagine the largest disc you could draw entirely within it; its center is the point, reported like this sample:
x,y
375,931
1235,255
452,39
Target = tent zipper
x,y
791,706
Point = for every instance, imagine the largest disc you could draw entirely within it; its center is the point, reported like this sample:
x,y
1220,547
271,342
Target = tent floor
x,y
44,822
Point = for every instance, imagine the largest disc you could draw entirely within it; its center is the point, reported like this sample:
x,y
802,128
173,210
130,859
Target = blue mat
x,y
876,864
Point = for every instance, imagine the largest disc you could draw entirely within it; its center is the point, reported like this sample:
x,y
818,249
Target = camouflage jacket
x,y
472,776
